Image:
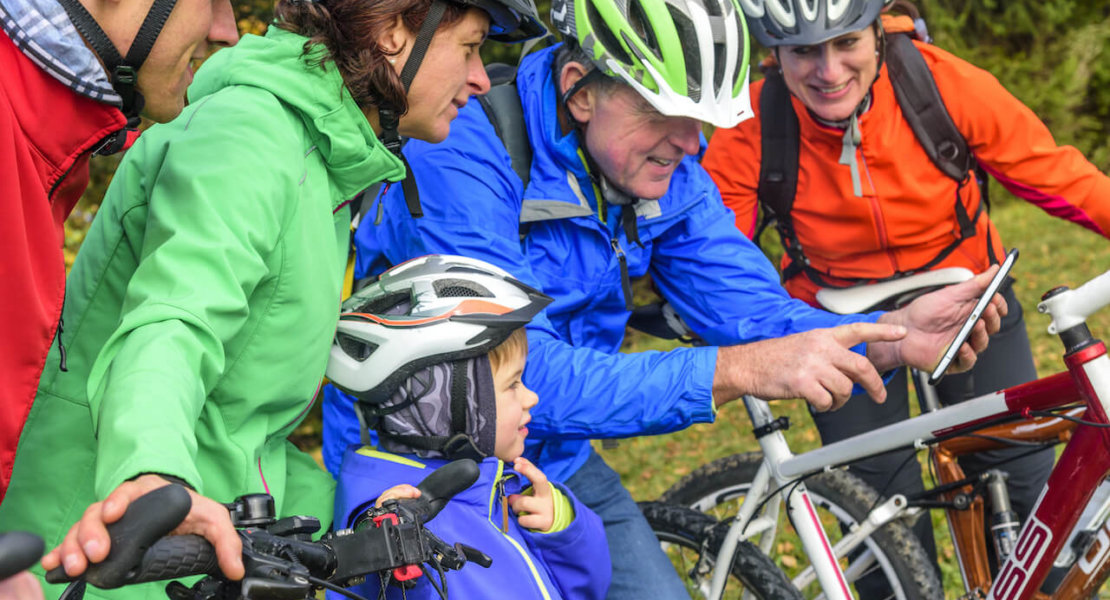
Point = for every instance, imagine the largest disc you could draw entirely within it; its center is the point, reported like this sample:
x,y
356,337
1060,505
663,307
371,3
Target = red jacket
x,y
906,215
47,133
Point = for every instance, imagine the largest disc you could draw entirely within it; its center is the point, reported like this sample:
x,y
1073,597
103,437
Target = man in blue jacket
x,y
615,192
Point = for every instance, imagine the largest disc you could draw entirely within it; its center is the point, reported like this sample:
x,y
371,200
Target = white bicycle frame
x,y
782,469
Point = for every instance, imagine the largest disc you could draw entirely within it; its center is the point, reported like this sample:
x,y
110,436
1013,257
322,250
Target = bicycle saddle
x,y
890,294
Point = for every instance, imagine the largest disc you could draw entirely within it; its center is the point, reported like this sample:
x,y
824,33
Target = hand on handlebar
x,y
87,541
817,366
932,321
397,492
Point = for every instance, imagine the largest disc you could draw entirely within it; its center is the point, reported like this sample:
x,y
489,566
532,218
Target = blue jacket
x,y
572,563
473,204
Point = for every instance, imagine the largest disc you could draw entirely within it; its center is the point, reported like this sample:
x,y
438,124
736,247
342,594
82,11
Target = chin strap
x,y
388,118
122,71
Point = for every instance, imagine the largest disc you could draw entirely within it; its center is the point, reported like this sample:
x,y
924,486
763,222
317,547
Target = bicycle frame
x,y
1085,462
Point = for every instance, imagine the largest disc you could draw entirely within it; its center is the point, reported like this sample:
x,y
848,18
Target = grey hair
x,y
571,52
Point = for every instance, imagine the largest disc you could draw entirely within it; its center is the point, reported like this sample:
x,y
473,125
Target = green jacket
x,y
203,302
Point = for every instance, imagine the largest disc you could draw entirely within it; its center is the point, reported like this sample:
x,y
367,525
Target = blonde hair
x,y
515,345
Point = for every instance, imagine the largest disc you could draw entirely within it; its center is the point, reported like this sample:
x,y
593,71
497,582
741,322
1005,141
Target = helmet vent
x,y
460,288
637,18
686,31
605,36
355,348
396,303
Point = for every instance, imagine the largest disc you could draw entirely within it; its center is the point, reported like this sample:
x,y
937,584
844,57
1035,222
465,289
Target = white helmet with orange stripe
x,y
428,310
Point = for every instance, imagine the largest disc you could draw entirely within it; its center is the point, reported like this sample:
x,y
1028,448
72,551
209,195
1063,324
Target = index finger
x,y
853,334
533,474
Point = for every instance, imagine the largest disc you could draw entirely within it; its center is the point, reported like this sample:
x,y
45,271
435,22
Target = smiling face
x,y
450,73
514,401
832,78
193,29
636,147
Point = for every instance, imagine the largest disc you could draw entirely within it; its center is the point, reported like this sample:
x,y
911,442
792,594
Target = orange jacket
x,y
906,215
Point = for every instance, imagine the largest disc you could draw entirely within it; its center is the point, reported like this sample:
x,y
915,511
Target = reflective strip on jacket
x,y
473,203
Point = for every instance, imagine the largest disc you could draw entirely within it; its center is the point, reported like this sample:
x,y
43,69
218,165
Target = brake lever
x,y
474,555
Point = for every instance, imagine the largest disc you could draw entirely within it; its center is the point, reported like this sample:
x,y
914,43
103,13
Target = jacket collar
x,y
42,31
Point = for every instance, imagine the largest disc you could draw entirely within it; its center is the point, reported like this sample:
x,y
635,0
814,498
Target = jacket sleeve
x,y
732,160
201,256
577,558
722,284
1016,148
471,203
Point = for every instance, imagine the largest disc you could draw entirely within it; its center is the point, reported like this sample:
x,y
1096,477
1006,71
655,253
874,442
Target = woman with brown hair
x,y
203,302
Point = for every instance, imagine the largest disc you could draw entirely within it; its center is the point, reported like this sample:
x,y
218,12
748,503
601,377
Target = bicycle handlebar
x,y
19,550
278,553
147,519
1069,308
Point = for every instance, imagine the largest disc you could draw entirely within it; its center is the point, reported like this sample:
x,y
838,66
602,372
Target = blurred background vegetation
x,y
1054,55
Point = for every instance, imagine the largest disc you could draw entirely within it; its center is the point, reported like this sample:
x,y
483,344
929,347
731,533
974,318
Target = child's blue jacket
x,y
572,563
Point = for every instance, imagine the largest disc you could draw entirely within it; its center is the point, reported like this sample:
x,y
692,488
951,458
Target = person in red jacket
x,y
871,205
74,77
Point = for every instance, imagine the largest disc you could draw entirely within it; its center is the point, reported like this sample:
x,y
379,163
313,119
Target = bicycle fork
x,y
822,554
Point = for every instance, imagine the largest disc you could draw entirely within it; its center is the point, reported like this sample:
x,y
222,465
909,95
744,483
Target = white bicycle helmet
x,y
688,58
428,310
808,22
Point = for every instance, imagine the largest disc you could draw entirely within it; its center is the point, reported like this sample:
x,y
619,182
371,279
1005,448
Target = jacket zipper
x,y
504,506
626,283
877,214
505,531
61,313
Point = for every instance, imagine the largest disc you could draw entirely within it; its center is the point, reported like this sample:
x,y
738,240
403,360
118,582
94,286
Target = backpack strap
x,y
778,166
506,114
924,109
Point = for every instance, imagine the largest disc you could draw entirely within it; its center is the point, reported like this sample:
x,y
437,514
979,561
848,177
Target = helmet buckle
x,y
462,445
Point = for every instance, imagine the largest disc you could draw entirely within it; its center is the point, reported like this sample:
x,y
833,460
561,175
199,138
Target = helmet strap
x,y
388,119
122,71
591,76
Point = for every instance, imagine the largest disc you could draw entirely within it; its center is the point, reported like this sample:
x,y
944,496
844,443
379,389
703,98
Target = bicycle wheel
x,y
686,533
889,564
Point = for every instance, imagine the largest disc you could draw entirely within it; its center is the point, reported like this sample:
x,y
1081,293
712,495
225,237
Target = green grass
x,y
1053,252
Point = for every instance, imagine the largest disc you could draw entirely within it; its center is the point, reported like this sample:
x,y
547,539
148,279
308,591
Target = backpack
x,y
924,110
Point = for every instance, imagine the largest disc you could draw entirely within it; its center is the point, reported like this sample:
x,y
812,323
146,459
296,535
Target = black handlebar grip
x,y
19,550
443,483
148,518
175,556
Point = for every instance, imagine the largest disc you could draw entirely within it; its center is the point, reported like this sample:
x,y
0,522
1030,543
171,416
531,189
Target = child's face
x,y
513,403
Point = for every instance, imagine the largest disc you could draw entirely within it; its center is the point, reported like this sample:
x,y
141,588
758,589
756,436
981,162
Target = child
x,y
434,350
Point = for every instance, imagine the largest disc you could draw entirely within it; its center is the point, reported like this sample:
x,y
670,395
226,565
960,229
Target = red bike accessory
x,y
406,572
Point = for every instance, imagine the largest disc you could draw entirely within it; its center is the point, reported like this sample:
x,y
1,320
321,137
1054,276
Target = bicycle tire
x,y
910,575
687,533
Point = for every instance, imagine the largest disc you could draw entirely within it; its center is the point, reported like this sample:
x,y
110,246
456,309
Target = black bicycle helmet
x,y
808,22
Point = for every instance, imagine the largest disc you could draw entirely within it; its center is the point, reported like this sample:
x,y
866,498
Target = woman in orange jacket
x,y
870,204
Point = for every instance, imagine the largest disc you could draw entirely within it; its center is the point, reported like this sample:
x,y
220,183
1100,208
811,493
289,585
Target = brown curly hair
x,y
349,30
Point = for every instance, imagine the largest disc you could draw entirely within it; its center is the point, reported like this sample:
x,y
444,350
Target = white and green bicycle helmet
x,y
688,58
